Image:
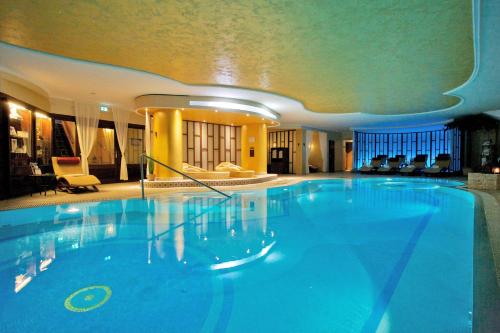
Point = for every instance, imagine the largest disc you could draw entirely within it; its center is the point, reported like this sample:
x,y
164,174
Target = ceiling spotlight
x,y
235,106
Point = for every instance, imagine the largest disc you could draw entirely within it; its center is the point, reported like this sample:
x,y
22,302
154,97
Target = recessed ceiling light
x,y
234,106
248,115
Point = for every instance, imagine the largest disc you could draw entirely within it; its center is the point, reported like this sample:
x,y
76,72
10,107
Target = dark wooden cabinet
x,y
279,161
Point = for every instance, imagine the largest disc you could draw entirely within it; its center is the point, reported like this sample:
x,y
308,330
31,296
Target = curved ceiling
x,y
379,57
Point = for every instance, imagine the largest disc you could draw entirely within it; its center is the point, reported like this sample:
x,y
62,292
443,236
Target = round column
x,y
167,143
254,147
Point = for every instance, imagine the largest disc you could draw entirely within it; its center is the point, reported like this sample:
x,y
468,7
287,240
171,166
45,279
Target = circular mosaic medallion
x,y
87,299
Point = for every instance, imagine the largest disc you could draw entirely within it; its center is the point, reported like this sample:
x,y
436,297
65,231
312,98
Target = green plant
x,y
151,165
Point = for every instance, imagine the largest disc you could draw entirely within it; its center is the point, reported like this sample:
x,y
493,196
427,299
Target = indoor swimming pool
x,y
343,255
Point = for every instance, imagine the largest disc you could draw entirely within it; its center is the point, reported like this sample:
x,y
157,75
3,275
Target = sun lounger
x,y
375,164
235,171
442,164
70,176
418,164
200,173
393,164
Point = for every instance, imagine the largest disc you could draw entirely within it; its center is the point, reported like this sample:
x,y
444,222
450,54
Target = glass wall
x,y
431,143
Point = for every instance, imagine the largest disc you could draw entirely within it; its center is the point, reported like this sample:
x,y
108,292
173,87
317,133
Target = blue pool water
x,y
360,255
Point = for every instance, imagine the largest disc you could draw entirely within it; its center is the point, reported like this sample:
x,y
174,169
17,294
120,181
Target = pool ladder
x,y
144,157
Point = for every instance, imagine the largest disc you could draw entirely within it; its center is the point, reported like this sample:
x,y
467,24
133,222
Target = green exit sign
x,y
104,108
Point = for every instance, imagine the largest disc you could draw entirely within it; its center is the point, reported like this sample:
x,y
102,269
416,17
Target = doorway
x,y
331,156
348,156
103,159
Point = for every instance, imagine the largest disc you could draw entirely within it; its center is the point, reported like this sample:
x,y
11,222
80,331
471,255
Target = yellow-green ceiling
x,y
339,56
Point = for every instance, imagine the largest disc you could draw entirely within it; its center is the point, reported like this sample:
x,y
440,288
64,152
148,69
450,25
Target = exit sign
x,y
104,108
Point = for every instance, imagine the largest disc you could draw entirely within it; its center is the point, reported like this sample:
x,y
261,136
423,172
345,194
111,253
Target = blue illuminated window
x,y
430,142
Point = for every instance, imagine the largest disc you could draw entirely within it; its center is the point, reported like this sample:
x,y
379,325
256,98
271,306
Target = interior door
x,y
348,156
331,156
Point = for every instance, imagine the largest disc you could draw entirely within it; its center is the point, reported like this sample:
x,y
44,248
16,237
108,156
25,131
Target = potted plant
x,y
151,176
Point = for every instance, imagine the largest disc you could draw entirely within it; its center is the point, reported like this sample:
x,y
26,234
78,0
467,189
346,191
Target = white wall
x,y
65,107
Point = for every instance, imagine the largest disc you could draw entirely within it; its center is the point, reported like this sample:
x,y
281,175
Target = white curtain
x,y
87,122
308,148
323,145
147,141
120,118
107,151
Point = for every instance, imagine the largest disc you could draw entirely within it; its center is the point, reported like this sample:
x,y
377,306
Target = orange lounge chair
x,y
70,176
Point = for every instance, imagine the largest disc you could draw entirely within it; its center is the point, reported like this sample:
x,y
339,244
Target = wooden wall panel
x,y
206,145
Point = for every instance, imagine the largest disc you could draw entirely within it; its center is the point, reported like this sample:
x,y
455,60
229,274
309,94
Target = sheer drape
x,y
120,118
323,145
308,148
87,122
107,154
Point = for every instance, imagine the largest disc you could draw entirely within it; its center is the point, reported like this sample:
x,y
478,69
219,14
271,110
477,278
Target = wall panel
x,y
206,145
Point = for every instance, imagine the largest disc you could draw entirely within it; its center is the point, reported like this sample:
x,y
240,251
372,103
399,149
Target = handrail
x,y
142,156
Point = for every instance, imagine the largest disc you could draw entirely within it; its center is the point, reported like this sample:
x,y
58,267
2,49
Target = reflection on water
x,y
229,233
338,246
224,233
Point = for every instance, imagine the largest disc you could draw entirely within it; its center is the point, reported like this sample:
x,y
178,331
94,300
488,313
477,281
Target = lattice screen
x,y
206,145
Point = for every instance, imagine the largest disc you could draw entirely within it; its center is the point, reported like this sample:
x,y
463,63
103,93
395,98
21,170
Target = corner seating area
x,y
417,166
